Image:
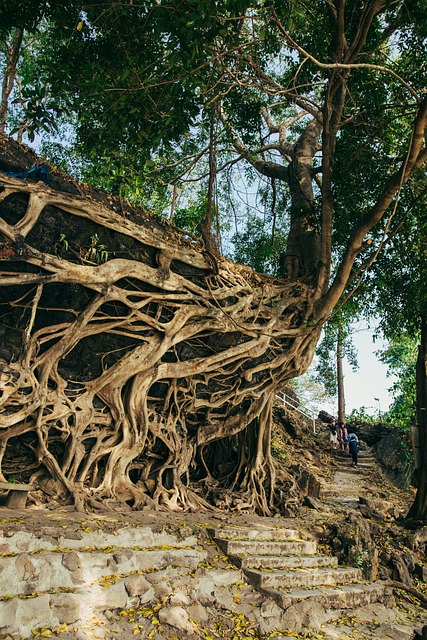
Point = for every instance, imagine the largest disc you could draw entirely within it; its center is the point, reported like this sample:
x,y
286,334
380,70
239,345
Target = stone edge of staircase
x,y
342,596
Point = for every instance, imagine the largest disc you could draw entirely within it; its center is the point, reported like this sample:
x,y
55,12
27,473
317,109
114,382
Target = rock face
x,y
395,454
325,417
371,434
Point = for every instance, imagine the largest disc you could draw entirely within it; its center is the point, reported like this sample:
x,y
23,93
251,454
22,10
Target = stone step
x,y
310,577
346,466
68,569
258,534
245,547
362,464
290,571
283,562
124,537
361,455
348,460
22,616
354,470
348,596
350,502
340,493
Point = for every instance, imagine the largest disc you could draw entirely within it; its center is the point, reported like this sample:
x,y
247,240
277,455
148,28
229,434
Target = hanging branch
x,y
273,209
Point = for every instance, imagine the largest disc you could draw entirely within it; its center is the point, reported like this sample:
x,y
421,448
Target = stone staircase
x,y
344,486
366,461
70,575
284,564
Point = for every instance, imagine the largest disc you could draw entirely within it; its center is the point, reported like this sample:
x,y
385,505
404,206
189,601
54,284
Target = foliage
x,y
255,246
144,115
326,352
361,415
311,392
397,279
401,357
189,215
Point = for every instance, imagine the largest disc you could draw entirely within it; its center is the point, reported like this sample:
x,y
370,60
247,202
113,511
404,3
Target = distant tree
x,y
336,345
11,53
401,357
311,392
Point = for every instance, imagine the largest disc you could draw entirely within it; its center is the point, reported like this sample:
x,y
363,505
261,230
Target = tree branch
x,y
305,104
269,169
342,65
415,158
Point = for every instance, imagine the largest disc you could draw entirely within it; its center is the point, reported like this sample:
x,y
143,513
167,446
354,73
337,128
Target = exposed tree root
x,y
405,587
126,358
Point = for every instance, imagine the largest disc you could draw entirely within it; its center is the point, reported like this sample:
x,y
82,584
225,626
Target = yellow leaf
x,y
60,629
79,25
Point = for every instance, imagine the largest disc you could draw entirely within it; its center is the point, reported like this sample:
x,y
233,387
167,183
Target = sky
x,y
368,386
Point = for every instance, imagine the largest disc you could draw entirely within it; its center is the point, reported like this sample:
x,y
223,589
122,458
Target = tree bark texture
x,y
418,510
13,53
340,378
132,368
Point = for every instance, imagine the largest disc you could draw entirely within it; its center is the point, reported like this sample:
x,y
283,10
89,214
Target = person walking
x,y
353,445
333,437
342,436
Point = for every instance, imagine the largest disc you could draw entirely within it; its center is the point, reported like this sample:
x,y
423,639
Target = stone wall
x,y
395,455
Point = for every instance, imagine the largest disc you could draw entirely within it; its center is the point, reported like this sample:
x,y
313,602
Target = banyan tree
x,y
138,365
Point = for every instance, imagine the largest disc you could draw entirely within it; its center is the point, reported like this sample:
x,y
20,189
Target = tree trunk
x,y
340,377
303,244
13,53
418,510
206,224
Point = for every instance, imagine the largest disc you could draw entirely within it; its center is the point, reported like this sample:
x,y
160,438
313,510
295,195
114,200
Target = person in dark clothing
x,y
353,446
